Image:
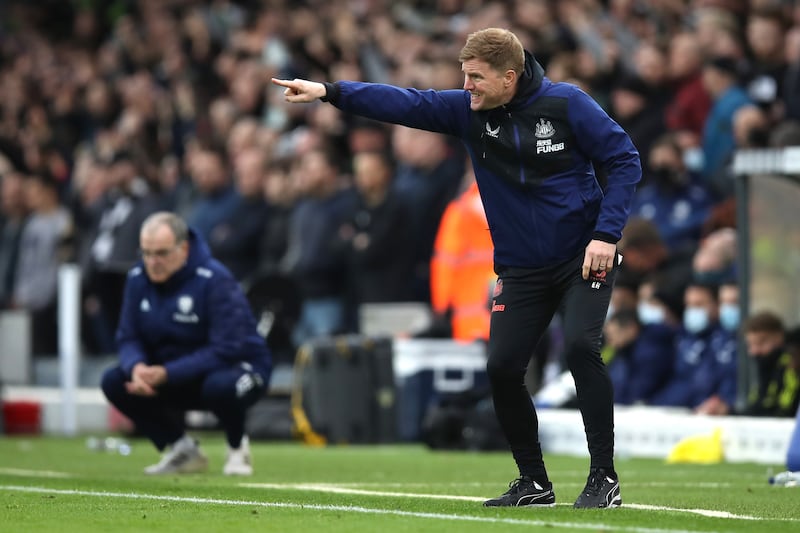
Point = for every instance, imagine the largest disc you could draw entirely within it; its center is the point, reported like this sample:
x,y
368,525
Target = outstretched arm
x,y
439,111
301,91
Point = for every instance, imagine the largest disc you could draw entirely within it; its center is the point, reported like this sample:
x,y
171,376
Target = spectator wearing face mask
x,y
729,313
704,377
721,403
656,306
670,199
638,356
775,391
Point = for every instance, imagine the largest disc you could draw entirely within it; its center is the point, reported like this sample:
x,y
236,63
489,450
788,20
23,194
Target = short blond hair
x,y
498,47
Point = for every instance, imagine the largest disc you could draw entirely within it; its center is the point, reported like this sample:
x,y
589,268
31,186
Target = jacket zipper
x,y
519,151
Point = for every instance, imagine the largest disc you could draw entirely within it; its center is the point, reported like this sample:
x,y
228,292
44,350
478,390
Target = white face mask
x,y
695,319
729,316
649,313
693,159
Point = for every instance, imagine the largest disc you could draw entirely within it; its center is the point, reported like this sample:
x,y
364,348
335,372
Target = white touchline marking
x,y
32,473
339,489
698,485
344,508
704,512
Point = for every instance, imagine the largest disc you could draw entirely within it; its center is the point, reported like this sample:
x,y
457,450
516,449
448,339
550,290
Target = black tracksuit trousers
x,y
523,305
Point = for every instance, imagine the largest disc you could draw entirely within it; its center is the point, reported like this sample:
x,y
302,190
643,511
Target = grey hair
x,y
166,218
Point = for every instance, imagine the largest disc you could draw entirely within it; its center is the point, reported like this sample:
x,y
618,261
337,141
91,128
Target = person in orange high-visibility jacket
x,y
462,270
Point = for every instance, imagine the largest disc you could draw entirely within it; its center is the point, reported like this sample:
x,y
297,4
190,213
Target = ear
x,y
509,78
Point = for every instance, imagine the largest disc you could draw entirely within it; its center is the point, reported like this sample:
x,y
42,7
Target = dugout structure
x,y
768,228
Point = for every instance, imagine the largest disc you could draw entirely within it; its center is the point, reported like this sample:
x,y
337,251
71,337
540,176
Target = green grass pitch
x,y
57,484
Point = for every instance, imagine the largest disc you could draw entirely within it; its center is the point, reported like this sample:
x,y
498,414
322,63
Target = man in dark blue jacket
x,y
534,145
187,340
638,356
704,371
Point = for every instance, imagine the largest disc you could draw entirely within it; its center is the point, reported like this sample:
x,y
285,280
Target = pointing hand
x,y
301,91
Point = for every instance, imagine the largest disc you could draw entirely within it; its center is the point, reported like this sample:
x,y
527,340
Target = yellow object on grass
x,y
698,449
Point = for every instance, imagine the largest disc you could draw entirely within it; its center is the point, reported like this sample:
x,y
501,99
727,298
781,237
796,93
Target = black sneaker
x,y
524,492
601,491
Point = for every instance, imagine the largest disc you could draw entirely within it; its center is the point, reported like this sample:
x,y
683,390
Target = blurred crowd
x,y
113,109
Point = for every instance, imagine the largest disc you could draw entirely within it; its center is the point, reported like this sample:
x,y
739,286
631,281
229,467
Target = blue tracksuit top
x,y
533,160
705,365
196,322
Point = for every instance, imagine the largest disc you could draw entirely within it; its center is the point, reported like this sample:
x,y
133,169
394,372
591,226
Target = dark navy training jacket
x,y
533,160
197,322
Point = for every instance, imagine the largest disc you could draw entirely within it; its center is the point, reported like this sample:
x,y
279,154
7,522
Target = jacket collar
x,y
529,82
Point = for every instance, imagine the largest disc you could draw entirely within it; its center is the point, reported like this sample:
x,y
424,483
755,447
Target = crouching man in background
x,y
187,340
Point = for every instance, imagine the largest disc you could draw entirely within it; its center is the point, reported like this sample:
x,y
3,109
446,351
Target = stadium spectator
x,y
729,310
624,296
235,239
280,195
751,127
187,340
646,255
572,264
651,67
45,243
110,250
728,299
715,260
670,199
314,258
428,174
721,78
376,237
12,217
774,392
765,32
705,362
687,111
639,356
791,81
242,136
751,130
719,31
217,201
630,106
462,270
175,190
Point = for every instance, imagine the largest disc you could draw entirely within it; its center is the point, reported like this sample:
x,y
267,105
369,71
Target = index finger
x,y
282,83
